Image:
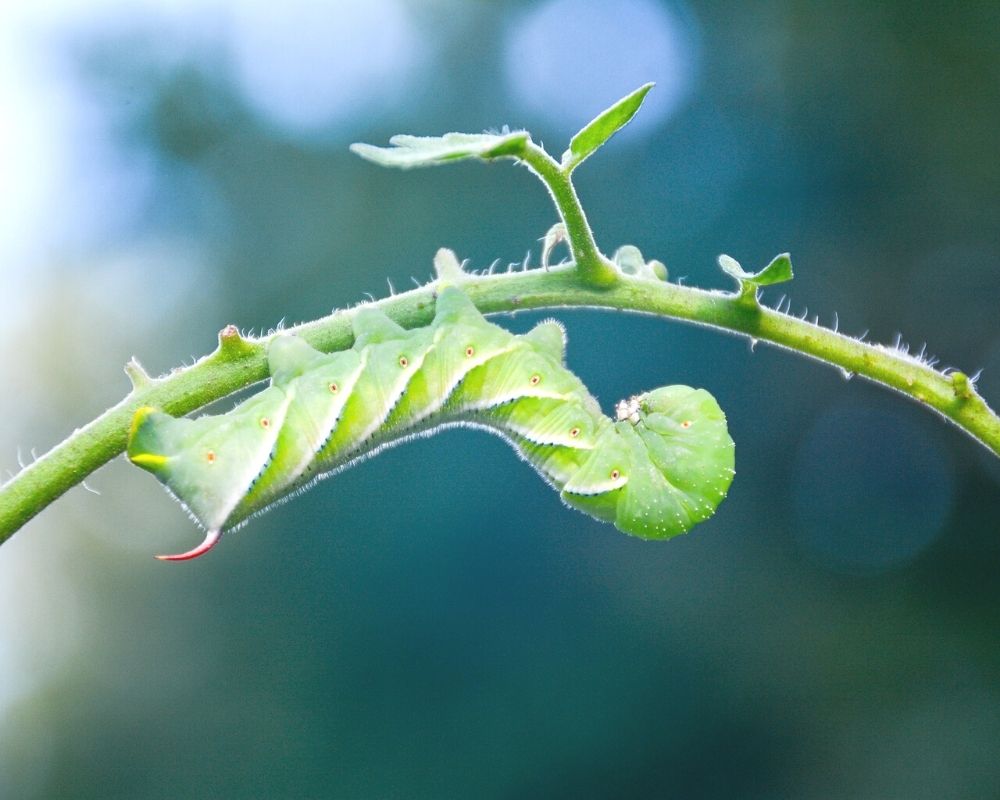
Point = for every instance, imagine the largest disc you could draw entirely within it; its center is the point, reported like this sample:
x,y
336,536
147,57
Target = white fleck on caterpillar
x,y
664,465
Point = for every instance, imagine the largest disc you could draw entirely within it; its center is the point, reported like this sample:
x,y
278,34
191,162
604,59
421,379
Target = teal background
x,y
434,623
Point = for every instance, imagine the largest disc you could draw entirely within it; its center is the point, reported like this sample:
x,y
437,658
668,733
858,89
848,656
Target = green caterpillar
x,y
660,468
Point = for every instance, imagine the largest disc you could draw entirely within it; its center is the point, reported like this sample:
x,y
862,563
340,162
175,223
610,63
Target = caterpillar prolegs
x,y
662,466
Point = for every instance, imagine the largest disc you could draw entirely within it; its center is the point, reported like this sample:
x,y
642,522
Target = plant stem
x,y
238,363
593,268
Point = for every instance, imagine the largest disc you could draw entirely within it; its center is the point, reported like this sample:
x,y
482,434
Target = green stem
x,y
594,269
238,363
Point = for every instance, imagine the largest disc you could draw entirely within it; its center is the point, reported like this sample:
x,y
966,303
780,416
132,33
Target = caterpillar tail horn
x,y
211,539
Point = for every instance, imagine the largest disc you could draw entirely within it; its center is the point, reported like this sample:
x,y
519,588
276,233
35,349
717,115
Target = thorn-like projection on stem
x,y
232,344
211,539
556,234
961,386
447,267
139,377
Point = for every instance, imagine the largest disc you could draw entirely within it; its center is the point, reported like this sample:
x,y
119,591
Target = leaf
x,y
603,127
423,151
778,271
628,258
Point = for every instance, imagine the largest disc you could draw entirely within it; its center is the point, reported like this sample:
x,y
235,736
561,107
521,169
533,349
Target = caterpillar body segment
x,y
661,467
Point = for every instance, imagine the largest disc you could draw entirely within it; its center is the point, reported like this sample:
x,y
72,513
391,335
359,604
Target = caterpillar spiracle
x,y
662,466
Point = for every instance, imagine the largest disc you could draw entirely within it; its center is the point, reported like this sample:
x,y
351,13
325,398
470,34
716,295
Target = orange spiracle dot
x,y
265,422
686,423
334,388
404,362
534,380
210,456
615,474
470,351
574,432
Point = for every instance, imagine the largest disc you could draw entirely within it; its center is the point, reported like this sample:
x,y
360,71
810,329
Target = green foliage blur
x,y
433,623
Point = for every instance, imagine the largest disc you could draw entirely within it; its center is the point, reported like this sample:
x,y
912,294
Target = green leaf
x,y
423,151
603,127
778,271
628,258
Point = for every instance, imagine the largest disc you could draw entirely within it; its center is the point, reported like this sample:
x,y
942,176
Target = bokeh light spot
x,y
316,64
567,59
871,490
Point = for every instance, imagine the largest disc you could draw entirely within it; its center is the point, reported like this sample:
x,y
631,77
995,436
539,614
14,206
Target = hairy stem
x,y
238,363
593,268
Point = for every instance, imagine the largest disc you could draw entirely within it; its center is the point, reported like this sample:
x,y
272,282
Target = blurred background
x,y
433,623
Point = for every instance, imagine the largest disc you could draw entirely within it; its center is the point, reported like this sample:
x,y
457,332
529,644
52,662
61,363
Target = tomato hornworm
x,y
663,465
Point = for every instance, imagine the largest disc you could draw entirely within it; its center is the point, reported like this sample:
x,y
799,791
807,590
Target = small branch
x,y
238,362
594,268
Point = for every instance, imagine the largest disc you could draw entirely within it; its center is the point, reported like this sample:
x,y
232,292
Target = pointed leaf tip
x,y
605,125
778,271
